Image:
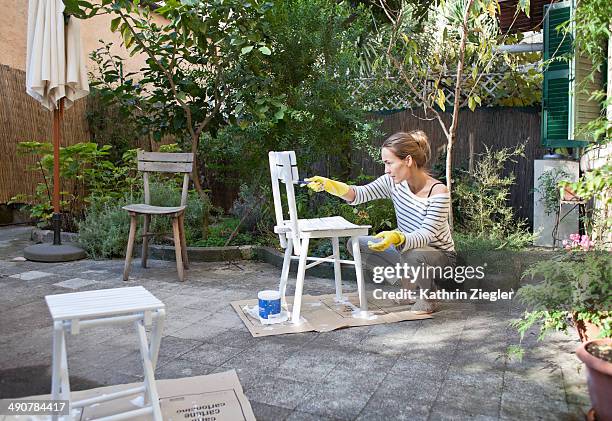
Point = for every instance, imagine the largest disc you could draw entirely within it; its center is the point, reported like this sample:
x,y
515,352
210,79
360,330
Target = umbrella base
x,y
50,253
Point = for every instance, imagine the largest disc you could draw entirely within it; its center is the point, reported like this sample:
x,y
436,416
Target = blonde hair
x,y
414,143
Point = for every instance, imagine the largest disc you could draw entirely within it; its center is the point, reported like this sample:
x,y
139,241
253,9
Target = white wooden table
x,y
74,311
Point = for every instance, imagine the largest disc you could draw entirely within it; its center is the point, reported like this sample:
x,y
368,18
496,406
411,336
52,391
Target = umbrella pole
x,y
58,114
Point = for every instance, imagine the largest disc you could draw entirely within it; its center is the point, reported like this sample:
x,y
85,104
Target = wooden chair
x,y
295,235
168,163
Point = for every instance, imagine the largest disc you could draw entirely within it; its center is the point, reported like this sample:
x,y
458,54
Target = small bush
x,y
103,233
482,212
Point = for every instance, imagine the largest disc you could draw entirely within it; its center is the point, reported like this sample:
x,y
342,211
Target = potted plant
x,y
575,290
597,356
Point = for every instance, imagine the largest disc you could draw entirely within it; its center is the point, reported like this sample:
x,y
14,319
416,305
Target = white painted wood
x,y
295,233
285,271
104,302
106,397
337,271
299,283
108,306
363,299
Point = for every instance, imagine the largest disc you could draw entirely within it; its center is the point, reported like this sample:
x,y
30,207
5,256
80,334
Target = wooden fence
x,y
22,118
495,127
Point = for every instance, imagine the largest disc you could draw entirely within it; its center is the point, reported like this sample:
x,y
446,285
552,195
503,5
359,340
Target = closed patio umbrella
x,y
56,76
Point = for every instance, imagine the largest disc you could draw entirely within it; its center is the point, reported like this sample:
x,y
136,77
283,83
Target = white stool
x,y
71,312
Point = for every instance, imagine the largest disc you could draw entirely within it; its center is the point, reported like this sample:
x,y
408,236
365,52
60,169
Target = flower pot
x,y
587,331
599,379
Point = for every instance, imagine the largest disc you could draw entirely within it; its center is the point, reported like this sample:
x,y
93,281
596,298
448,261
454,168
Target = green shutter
x,y
556,101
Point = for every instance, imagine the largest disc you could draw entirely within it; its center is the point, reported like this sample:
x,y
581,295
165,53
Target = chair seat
x,y
332,223
153,210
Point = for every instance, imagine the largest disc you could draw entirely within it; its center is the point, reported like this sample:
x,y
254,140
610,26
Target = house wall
x,y
13,36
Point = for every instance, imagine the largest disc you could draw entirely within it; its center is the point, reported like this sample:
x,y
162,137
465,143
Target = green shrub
x,y
482,214
103,233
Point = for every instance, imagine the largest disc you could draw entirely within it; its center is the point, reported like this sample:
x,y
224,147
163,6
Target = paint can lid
x,y
269,295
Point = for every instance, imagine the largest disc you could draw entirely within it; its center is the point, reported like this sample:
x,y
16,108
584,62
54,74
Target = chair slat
x,y
175,167
165,156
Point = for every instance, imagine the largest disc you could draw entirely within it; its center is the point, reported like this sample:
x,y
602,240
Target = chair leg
x,y
299,284
282,288
183,241
177,248
145,240
130,246
337,269
56,364
363,299
149,376
65,382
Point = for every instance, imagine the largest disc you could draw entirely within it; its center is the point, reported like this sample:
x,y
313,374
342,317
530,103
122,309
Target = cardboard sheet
x,y
215,397
322,314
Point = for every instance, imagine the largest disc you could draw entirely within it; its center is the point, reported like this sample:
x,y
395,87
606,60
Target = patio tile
x,y
275,391
76,283
31,275
265,412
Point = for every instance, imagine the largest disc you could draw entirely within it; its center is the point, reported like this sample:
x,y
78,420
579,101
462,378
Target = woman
x,y
422,206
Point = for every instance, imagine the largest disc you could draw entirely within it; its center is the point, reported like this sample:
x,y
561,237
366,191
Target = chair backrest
x,y
283,168
165,162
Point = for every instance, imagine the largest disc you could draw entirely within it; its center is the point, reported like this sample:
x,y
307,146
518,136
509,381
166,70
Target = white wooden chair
x,y
78,310
169,163
295,235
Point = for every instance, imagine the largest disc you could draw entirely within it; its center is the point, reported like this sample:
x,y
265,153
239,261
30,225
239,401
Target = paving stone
x,y
339,399
181,367
31,275
275,391
76,283
212,354
265,412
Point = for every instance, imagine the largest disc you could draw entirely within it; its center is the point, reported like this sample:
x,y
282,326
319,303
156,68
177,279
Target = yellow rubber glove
x,y
336,188
388,238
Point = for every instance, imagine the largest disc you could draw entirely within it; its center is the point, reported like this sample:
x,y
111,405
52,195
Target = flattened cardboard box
x,y
215,397
322,314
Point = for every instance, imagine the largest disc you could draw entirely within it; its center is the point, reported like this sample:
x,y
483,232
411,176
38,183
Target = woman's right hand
x,y
337,188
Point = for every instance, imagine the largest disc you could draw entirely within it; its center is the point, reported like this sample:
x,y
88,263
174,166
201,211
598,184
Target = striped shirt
x,y
424,221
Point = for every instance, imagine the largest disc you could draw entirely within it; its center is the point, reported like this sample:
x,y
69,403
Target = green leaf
x,y
265,50
471,103
246,50
441,100
115,24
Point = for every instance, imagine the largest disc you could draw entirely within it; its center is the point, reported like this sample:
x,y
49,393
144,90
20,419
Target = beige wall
x,y
13,38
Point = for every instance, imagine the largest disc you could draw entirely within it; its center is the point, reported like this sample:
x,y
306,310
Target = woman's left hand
x,y
388,238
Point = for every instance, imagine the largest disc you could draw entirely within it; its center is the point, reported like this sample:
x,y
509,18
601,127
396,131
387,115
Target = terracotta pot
x,y
587,331
599,380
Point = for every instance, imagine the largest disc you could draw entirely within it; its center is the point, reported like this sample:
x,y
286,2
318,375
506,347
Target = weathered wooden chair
x,y
295,235
167,163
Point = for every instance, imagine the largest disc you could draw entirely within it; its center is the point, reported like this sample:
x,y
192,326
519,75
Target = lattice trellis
x,y
396,95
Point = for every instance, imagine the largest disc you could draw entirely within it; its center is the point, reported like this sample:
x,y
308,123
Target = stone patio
x,y
451,367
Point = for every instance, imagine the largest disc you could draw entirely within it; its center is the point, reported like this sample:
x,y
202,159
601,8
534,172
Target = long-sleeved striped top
x,y
424,221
